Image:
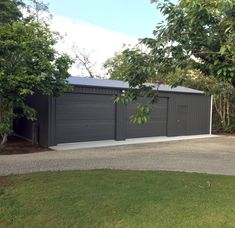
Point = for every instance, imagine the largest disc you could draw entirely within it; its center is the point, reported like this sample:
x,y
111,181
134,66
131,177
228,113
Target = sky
x,y
135,18
101,27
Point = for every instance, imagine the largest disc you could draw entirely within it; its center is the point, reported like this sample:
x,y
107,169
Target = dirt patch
x,y
225,134
220,132
17,145
5,183
2,181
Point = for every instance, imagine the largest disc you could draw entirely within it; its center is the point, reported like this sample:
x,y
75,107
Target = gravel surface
x,y
208,155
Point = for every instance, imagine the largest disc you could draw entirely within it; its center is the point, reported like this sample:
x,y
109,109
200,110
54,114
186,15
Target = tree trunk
x,y
35,133
218,107
224,111
6,118
228,112
4,139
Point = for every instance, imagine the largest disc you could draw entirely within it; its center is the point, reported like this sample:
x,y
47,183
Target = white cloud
x,y
98,41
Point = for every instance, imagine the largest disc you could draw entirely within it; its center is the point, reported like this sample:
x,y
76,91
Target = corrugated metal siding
x,y
84,117
106,120
96,90
163,121
23,126
116,84
157,126
198,120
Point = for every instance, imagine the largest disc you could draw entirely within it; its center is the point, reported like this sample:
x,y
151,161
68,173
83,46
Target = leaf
x,y
223,49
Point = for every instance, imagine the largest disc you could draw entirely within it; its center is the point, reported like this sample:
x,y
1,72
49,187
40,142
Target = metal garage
x,y
84,117
157,125
88,113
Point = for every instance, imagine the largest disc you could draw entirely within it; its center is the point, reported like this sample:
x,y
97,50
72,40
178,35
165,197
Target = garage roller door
x,y
157,126
84,117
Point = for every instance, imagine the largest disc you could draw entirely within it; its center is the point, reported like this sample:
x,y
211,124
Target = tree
x,y
119,65
39,11
83,60
223,92
195,35
116,66
223,95
9,10
134,68
28,63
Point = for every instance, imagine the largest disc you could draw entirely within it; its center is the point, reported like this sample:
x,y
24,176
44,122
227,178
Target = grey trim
x,y
211,114
106,83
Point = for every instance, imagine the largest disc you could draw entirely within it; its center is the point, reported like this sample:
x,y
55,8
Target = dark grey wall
x,y
185,114
121,122
156,126
198,114
84,117
175,114
23,127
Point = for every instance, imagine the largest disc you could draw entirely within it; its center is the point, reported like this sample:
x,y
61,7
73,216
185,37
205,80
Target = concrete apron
x,y
107,143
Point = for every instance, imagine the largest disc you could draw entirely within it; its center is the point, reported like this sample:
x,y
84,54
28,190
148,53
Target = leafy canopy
x,y
28,63
9,10
195,36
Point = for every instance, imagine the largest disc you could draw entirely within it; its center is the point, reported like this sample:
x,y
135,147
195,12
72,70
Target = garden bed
x,y
16,145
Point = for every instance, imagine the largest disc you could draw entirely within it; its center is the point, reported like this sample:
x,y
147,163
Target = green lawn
x,y
117,199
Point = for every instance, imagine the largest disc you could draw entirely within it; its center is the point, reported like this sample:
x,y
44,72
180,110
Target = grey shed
x,y
88,113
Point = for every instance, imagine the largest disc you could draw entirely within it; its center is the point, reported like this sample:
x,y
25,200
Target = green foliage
x,y
142,114
196,35
9,10
135,67
117,66
196,79
29,63
223,95
229,129
138,68
28,60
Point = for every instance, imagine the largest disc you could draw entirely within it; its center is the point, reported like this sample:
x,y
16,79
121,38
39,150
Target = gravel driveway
x,y
208,155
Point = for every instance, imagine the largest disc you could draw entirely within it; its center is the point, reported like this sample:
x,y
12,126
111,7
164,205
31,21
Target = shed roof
x,y
107,83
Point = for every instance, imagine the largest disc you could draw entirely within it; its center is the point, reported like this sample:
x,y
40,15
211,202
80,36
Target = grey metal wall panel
x,y
182,119
121,122
116,84
157,126
96,90
84,117
88,114
23,127
198,114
